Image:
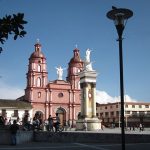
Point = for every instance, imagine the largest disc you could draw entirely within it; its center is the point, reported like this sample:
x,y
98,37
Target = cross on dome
x,y
38,40
76,46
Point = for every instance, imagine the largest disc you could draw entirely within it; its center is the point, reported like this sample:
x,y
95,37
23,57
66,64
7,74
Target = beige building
x,y
135,113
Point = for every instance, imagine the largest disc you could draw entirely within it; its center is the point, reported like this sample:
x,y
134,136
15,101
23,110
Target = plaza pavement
x,y
83,146
115,130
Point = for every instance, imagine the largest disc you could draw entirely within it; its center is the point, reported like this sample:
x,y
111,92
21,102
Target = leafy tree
x,y
12,24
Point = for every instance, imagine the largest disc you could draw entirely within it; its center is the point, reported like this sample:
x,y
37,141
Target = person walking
x,y
50,122
13,129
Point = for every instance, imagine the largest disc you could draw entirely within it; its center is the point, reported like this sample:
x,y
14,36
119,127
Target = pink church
x,y
58,96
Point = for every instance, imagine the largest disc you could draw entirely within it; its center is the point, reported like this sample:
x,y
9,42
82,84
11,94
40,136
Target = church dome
x,y
37,53
76,58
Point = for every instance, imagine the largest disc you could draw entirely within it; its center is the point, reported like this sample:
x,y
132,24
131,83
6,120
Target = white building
x,y
135,113
12,109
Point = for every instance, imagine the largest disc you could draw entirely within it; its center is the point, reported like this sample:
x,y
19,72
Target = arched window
x,y
38,82
39,94
39,68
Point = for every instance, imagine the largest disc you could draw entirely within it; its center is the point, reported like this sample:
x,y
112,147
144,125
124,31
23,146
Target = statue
x,y
87,56
88,67
59,72
87,63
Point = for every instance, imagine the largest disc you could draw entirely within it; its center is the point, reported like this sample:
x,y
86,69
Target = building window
x,y
140,106
133,106
141,113
146,106
39,68
148,113
134,113
15,113
106,114
116,106
105,107
3,112
39,94
111,106
101,114
38,82
112,113
117,113
127,112
126,106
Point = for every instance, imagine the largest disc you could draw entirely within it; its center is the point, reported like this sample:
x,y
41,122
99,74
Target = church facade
x,y
51,97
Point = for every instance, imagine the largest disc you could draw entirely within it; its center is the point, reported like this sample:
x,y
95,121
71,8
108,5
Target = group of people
x,y
54,122
140,127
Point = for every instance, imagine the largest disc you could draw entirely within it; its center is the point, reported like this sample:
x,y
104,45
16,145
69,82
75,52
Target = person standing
x,y
57,122
13,129
140,126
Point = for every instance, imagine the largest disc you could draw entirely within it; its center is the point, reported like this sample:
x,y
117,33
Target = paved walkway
x,y
116,131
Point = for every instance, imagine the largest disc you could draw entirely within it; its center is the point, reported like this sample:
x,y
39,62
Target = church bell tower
x,y
74,67
37,75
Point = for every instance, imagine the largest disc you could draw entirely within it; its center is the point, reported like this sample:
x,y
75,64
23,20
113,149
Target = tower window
x,y
39,68
38,82
39,94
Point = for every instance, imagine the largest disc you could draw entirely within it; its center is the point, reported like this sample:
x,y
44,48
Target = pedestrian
x,y
50,122
2,121
85,125
13,129
133,127
140,126
57,122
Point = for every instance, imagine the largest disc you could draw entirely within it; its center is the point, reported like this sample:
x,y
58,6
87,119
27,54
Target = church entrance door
x,y
62,115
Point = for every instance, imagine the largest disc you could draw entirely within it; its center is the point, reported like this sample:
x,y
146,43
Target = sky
x,y
60,25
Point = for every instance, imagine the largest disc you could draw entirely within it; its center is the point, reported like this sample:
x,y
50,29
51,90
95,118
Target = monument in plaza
x,y
88,97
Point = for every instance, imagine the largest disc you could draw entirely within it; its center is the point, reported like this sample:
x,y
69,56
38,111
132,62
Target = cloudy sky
x,y
60,25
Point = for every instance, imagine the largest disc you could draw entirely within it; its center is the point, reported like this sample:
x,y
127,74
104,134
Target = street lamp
x,y
120,17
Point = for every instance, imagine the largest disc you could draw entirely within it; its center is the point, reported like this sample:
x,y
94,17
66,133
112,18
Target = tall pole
x,y
119,16
121,91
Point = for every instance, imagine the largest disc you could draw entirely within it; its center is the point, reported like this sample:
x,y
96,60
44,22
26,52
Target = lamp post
x,y
120,17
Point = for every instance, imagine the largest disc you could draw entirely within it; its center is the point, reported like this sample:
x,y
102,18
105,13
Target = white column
x,y
93,100
86,99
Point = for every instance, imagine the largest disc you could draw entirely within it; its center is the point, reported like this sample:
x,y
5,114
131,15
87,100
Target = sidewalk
x,y
114,130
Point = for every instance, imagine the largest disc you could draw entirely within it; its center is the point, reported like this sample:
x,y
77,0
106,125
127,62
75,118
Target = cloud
x,y
103,97
10,92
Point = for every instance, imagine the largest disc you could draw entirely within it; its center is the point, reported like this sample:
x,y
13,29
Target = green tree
x,y
12,24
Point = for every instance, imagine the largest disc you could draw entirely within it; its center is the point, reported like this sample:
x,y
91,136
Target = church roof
x,y
76,58
37,54
7,103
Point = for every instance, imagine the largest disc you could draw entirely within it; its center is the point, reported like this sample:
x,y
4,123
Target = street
x,y
74,146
